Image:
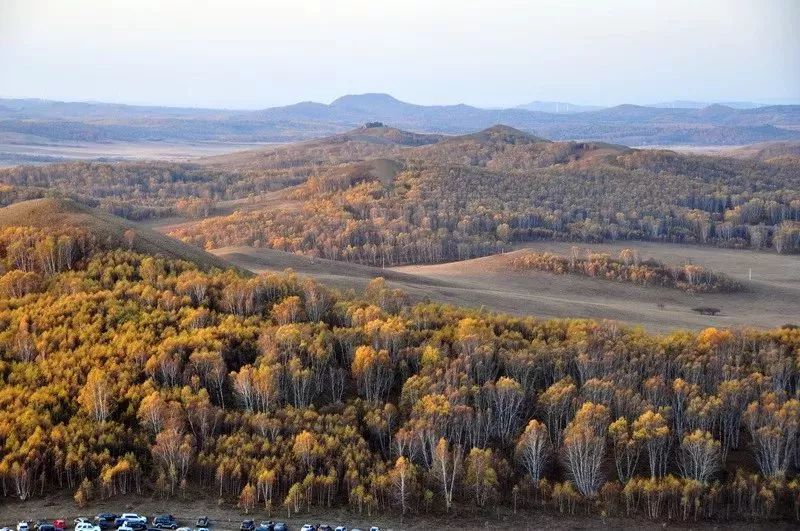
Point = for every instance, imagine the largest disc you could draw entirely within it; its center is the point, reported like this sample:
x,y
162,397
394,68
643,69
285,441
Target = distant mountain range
x,y
45,121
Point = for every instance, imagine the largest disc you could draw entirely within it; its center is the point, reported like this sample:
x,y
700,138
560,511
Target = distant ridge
x,y
716,124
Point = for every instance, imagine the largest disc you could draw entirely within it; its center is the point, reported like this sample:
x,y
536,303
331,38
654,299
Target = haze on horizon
x,y
245,54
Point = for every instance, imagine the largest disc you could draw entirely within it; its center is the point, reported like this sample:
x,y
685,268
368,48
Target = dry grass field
x,y
771,299
22,149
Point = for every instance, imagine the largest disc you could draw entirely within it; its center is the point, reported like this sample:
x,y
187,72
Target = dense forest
x,y
628,267
478,194
121,372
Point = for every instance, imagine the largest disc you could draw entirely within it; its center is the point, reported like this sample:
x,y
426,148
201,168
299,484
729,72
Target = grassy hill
x,y
108,229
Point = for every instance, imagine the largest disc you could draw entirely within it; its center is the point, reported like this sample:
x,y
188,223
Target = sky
x,y
248,54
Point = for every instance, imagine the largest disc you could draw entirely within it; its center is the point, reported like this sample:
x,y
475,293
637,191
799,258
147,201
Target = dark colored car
x,y
106,520
266,526
247,525
203,521
46,527
280,526
137,526
165,521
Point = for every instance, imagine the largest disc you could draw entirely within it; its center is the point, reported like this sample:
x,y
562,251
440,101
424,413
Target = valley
x,y
491,284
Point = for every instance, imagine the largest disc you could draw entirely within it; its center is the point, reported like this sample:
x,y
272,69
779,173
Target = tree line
x,y
628,267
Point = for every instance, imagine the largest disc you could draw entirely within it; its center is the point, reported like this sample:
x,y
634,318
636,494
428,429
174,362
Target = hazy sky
x,y
256,54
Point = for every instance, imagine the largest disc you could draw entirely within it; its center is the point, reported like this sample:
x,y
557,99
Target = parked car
x,y
340,528
247,525
5,529
82,520
203,521
324,527
131,518
165,521
124,527
266,526
60,524
86,526
47,527
281,526
23,526
307,527
201,529
136,526
106,520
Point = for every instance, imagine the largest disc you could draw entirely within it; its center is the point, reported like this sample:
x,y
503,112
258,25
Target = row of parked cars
x,y
134,522
250,525
112,521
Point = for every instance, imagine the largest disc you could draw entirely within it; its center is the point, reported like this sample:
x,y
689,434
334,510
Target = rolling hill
x,y
471,195
108,230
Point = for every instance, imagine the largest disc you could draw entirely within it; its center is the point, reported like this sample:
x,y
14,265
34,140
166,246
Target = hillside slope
x,y
109,230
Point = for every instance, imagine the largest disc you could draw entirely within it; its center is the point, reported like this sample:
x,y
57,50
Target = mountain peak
x,y
505,134
370,99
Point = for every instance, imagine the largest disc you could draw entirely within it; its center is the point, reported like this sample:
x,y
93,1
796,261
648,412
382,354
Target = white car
x,y
86,526
125,527
22,526
307,527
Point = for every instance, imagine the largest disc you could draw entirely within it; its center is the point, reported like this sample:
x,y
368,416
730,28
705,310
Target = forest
x,y
479,194
122,372
628,267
